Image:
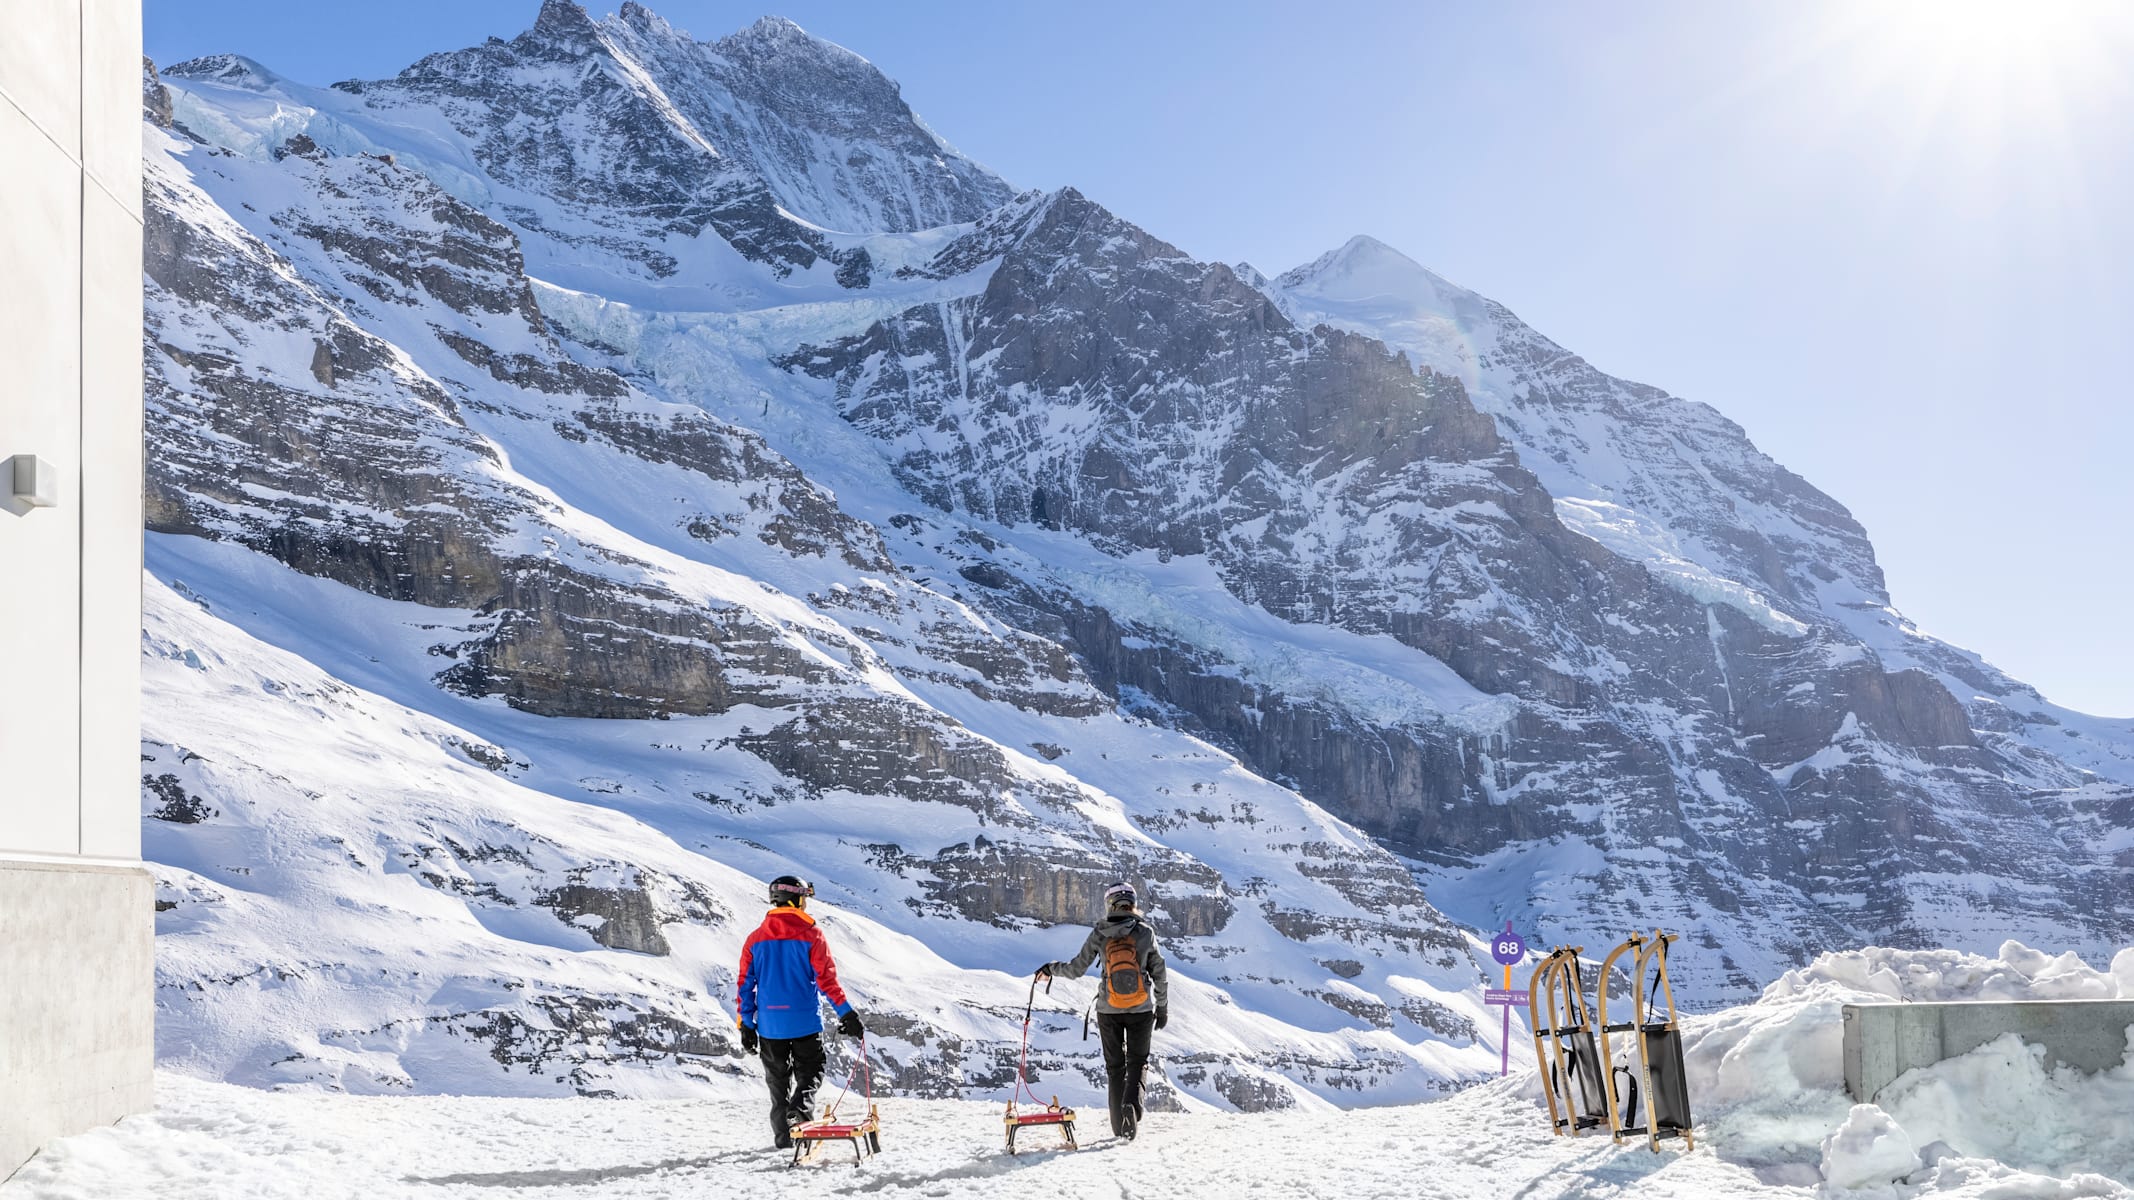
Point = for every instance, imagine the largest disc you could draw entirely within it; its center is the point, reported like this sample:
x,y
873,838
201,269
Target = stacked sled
x,y
1641,1090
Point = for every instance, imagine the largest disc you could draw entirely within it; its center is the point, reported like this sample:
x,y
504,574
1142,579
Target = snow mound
x,y
1931,976
1868,1148
1767,1083
2001,1102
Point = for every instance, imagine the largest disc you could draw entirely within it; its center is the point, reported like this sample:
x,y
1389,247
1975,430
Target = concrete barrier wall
x,y
77,1024
1883,1041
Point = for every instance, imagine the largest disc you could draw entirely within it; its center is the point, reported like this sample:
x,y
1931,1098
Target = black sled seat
x,y
1658,1078
1571,1064
1670,1083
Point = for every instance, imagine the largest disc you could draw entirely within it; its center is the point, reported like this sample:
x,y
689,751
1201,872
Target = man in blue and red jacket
x,y
783,965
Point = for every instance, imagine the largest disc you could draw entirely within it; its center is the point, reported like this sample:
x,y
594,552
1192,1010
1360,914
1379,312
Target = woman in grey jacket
x,y
1132,1001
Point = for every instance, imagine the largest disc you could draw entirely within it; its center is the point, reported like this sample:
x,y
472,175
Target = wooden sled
x,y
1571,1064
1660,1078
1053,1115
863,1135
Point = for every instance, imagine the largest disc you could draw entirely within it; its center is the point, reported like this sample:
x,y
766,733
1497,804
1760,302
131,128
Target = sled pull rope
x,y
858,1067
1022,1062
1052,1114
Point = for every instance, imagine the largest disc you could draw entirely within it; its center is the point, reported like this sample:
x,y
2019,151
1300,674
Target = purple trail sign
x,y
1507,948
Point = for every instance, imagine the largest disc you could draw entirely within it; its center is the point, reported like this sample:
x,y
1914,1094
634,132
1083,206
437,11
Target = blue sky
x,y
1891,238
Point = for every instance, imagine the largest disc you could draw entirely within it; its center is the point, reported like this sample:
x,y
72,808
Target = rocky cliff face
x,y
606,469
828,133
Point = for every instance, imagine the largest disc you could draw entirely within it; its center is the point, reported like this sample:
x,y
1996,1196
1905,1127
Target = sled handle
x,y
1636,944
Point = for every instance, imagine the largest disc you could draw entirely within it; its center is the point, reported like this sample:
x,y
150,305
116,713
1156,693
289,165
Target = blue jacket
x,y
783,964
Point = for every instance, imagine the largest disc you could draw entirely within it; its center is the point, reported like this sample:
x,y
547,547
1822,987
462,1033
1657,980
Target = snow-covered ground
x,y
1773,1120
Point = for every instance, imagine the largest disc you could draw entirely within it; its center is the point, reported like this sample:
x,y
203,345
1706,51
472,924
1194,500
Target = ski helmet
x,y
1119,898
790,889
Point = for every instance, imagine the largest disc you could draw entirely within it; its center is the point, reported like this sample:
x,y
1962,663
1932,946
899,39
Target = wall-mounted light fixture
x,y
34,480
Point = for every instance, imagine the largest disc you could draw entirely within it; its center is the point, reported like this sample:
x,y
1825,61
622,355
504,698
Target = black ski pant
x,y
793,1069
1126,1056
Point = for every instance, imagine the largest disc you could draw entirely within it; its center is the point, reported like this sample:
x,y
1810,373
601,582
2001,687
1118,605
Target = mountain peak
x,y
230,70
562,18
772,25
1365,244
1361,262
1069,210
775,37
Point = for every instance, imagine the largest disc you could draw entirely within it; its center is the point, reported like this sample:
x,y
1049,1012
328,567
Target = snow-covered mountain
x,y
594,472
1678,487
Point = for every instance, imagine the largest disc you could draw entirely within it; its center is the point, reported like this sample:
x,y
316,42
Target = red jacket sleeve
x,y
745,988
826,971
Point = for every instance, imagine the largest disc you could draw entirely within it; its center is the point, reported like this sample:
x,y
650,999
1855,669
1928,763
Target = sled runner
x,y
1037,1115
863,1135
1659,1079
1571,1065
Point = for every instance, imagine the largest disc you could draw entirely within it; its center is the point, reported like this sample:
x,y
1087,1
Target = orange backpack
x,y
1126,985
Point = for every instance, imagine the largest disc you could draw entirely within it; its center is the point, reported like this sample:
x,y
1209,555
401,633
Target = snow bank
x,y
2017,972
1868,1148
1767,1083
2001,1102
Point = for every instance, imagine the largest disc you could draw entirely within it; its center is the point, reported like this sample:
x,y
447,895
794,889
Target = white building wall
x,y
40,548
76,909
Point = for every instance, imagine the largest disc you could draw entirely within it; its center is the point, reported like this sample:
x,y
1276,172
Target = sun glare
x,y
1966,112
1979,33
1991,60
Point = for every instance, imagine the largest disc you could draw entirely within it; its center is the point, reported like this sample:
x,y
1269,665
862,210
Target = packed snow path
x,y
1773,1120
214,1141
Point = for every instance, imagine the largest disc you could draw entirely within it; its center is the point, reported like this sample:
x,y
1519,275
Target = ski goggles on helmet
x,y
791,889
1119,895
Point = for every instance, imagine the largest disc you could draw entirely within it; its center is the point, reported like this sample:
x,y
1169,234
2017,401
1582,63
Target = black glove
x,y
748,1039
1163,1015
850,1026
1044,971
